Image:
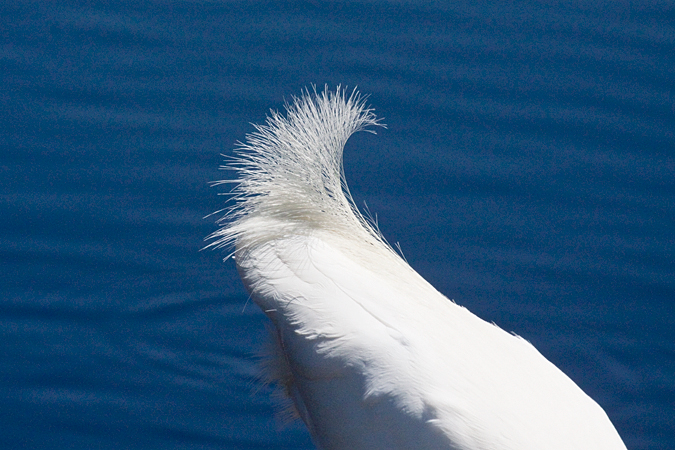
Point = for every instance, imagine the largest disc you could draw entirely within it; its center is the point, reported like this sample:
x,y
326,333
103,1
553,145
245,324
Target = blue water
x,y
528,172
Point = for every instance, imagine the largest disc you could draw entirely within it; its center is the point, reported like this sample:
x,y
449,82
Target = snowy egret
x,y
371,354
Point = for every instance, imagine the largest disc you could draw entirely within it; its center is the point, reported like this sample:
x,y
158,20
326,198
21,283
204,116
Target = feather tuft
x,y
290,175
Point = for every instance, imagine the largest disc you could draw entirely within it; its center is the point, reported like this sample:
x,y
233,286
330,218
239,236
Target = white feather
x,y
373,356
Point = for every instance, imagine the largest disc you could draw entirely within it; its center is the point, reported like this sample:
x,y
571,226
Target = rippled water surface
x,y
528,172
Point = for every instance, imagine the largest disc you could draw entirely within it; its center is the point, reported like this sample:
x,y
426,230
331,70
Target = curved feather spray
x,y
373,356
291,169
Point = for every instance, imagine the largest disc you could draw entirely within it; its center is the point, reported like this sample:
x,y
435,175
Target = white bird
x,y
371,354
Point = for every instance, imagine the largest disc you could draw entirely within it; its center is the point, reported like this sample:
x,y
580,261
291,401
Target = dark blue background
x,y
528,171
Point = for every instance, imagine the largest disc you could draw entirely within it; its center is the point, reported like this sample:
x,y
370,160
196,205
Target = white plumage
x,y
371,354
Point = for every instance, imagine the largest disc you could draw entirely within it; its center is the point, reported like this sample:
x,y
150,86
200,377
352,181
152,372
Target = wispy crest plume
x,y
290,176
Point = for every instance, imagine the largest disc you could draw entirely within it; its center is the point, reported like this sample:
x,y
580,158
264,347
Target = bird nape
x,y
372,356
